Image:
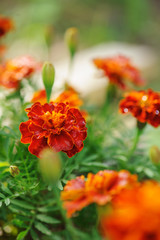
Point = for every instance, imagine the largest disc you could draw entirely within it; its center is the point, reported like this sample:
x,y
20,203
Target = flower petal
x,y
60,142
37,145
26,134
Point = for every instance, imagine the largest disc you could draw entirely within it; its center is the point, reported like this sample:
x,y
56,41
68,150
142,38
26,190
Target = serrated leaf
x,y
34,235
7,201
42,228
2,195
21,235
47,209
22,204
6,190
47,219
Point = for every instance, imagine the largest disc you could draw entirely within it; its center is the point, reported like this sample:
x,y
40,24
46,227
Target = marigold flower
x,y
54,125
6,25
13,71
118,69
69,96
39,96
97,188
2,50
135,214
144,105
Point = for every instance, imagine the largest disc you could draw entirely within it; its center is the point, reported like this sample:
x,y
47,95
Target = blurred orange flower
x,y
54,125
39,96
6,25
118,69
2,50
13,71
97,188
135,214
144,105
68,96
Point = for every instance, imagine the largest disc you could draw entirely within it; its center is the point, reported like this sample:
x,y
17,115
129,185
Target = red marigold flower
x,y
135,214
118,69
54,125
98,188
144,105
6,25
13,71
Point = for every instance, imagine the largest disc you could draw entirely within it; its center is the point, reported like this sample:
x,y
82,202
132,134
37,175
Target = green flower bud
x,y
71,38
48,75
50,165
154,154
14,171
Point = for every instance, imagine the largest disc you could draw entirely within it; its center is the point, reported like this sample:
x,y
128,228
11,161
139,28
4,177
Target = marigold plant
x,y
135,214
119,69
55,125
144,105
97,188
67,96
6,24
13,71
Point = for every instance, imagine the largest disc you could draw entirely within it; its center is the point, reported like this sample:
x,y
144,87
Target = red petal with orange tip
x,y
26,134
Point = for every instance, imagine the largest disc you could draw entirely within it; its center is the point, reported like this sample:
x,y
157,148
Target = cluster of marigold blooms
x,y
131,209
128,209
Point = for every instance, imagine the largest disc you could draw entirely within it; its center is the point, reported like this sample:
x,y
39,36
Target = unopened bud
x,y
71,38
14,171
154,154
50,165
48,75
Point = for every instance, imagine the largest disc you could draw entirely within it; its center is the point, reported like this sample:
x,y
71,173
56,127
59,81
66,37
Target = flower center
x,y
144,101
54,119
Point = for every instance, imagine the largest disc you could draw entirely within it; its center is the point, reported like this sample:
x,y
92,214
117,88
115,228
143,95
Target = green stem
x,y
67,221
139,130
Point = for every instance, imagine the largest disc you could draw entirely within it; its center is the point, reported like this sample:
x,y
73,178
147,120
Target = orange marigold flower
x,y
13,71
2,50
135,214
97,188
54,125
39,96
70,96
6,25
144,105
118,69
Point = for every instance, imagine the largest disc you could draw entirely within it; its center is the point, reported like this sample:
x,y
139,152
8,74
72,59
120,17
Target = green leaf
x,y
42,228
22,204
47,219
2,195
0,203
34,235
21,235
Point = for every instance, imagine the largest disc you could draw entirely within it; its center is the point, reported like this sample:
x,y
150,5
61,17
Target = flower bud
x,y
71,38
48,75
154,154
50,165
14,170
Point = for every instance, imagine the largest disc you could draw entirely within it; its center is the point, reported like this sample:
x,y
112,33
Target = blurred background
x,y
38,22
